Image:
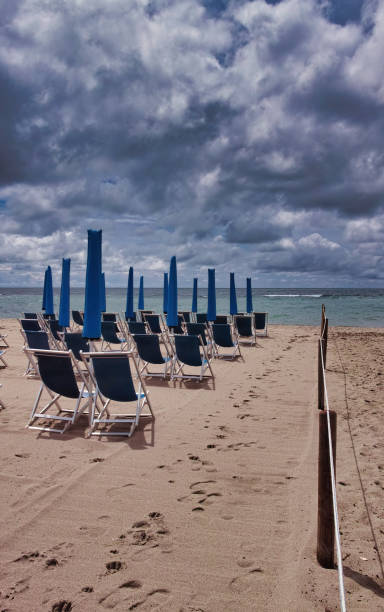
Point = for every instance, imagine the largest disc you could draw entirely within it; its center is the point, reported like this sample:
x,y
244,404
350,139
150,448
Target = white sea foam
x,y
293,295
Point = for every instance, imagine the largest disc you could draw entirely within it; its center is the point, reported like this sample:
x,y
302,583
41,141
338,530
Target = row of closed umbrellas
x,y
95,297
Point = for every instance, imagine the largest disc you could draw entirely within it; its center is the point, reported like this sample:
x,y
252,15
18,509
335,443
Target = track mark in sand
x,y
114,566
206,495
155,598
147,534
240,584
62,606
96,460
31,556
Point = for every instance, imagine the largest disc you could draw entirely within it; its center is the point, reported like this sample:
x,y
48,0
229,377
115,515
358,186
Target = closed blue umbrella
x,y
194,296
92,314
129,304
49,293
103,299
249,296
64,293
44,291
211,311
172,319
140,304
165,293
232,294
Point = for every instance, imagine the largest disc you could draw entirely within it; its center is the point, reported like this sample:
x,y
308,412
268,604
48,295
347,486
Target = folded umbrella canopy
x,y
249,296
49,293
232,294
103,299
129,304
64,293
194,296
172,318
165,293
140,304
44,291
211,311
92,312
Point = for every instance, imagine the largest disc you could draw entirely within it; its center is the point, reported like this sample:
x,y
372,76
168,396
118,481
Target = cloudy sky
x,y
244,135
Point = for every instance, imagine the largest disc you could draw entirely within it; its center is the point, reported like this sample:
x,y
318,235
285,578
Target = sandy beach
x,y
214,505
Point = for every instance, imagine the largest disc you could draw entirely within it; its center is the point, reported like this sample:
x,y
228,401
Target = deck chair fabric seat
x,y
261,323
245,329
149,352
112,377
177,329
109,316
30,325
221,320
222,337
58,371
30,315
154,323
109,336
77,318
132,318
75,342
190,351
137,327
186,314
34,340
201,317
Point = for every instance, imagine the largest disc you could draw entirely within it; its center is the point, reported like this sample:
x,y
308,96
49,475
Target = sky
x,y
241,135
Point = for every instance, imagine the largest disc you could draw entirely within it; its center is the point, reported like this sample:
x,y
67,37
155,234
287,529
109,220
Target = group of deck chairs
x,y
70,368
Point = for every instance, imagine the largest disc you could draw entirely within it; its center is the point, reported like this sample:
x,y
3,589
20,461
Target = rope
x,y
335,512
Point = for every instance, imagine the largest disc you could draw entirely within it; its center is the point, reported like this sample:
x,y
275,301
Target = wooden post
x,y
325,342
320,379
325,521
322,319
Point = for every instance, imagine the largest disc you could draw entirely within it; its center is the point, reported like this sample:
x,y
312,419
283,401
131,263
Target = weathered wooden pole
x,y
320,379
325,521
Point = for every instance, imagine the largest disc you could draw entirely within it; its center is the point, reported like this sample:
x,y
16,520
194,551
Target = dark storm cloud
x,y
246,134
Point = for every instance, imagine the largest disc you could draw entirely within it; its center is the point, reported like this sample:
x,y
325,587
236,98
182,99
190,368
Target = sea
x,y
350,307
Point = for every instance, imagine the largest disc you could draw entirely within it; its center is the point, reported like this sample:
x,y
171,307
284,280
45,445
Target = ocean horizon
x,y
291,306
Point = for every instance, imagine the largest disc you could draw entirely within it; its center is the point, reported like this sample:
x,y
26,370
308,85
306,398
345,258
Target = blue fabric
x,y
148,348
37,340
232,294
140,304
92,314
211,312
44,291
57,374
103,299
49,293
172,318
194,296
165,293
114,378
64,293
129,304
222,335
249,296
77,317
188,350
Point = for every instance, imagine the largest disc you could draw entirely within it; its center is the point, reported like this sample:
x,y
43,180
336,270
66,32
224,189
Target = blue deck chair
x,y
112,377
149,352
30,315
190,351
201,317
34,340
49,316
221,320
245,330
223,338
109,336
132,318
177,329
141,314
30,325
77,318
75,342
200,329
261,323
137,327
109,316
154,323
58,371
187,316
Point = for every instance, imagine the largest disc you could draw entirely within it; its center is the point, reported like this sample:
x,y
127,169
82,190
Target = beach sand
x,y
213,507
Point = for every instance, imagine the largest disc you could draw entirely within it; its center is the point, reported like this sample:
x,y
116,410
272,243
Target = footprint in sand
x,y
240,584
